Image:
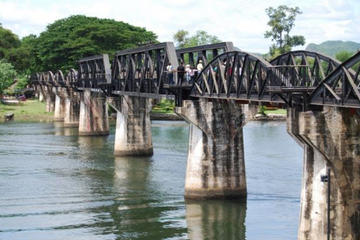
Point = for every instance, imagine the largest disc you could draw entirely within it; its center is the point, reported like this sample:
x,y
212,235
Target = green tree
x,y
8,40
282,20
7,75
342,56
183,40
67,40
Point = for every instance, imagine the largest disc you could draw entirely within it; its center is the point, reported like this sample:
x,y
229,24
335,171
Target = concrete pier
x,y
50,99
39,93
59,112
215,165
331,141
72,110
133,127
93,119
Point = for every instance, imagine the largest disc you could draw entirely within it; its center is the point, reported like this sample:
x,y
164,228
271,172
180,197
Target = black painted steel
x,y
342,86
94,72
206,53
301,78
144,70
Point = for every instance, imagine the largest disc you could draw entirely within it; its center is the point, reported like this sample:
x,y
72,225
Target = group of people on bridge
x,y
184,72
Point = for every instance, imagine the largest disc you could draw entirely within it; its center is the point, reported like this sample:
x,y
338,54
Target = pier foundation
x,y
330,197
215,164
93,118
133,127
72,110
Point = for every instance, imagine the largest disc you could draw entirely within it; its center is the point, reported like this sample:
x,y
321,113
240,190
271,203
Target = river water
x,y
57,185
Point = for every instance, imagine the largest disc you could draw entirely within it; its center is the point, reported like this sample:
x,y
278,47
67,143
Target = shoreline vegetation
x,y
34,111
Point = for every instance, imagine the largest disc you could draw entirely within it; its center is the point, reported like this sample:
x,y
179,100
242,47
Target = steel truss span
x,y
297,78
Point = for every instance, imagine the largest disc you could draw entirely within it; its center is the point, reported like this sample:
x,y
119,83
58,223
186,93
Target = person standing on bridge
x,y
181,73
200,66
170,74
187,72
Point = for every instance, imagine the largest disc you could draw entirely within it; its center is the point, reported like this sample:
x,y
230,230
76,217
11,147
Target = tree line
x,y
67,40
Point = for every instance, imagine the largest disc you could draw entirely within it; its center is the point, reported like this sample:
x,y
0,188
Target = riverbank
x,y
27,111
34,111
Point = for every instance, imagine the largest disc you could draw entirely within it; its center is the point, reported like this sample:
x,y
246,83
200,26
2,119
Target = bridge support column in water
x,y
72,109
215,165
39,93
133,127
50,99
330,199
93,118
59,112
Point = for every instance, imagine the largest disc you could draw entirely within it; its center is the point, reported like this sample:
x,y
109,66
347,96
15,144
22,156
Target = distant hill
x,y
330,48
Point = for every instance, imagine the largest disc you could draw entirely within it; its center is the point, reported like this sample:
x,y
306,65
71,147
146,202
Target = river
x,y
57,185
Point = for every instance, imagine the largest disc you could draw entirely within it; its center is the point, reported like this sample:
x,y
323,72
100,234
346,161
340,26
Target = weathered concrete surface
x,y
39,93
331,140
250,110
59,112
215,165
133,127
93,118
49,98
72,109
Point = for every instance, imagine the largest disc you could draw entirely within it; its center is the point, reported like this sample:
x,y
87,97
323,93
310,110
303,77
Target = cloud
x,y
240,21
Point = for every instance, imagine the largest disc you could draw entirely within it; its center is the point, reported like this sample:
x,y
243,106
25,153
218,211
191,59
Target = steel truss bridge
x,y
298,78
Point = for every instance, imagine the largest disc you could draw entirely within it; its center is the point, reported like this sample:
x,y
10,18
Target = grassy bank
x,y
279,111
28,111
34,111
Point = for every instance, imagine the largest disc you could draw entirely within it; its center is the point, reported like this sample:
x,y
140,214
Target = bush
x,y
7,75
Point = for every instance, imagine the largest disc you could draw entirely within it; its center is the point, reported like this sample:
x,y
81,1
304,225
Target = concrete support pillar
x,y
250,110
59,112
72,110
50,99
215,165
133,127
331,141
93,114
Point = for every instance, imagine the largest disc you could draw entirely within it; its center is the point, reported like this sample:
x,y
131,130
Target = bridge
x,y
321,96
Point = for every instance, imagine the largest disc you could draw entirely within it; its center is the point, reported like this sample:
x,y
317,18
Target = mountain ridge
x,y
331,48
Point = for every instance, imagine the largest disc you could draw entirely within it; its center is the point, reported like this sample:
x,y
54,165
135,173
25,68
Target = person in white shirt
x,y
200,66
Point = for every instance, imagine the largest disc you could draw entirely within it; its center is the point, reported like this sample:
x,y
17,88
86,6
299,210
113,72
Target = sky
x,y
242,22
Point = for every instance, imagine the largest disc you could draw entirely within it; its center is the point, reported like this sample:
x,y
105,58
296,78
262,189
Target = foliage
x,y
67,40
22,82
331,48
7,75
343,56
24,57
282,20
165,106
183,40
8,40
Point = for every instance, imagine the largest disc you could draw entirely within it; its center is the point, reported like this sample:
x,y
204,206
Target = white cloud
x,y
240,21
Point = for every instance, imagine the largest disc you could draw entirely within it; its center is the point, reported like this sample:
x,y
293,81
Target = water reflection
x,y
216,219
140,210
60,130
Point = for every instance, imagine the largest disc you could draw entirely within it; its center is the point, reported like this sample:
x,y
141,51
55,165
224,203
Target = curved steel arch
x,y
305,68
71,78
239,75
342,87
47,78
59,79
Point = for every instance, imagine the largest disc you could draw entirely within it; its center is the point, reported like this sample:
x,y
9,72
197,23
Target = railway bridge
x,y
321,95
